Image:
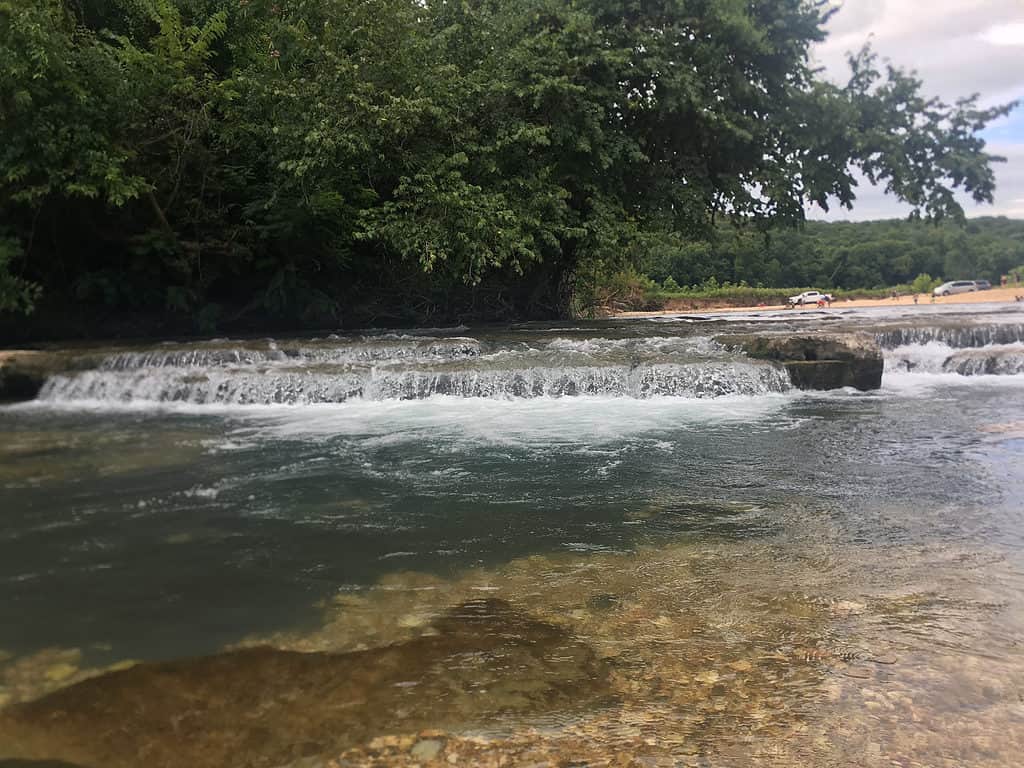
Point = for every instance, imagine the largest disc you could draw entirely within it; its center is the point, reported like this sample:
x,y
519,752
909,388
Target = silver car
x,y
955,286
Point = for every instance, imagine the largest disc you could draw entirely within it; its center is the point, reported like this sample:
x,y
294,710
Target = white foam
x,y
934,357
917,358
926,384
544,420
697,379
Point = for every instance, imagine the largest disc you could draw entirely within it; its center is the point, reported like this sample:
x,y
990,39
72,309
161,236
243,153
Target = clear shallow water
x,y
745,579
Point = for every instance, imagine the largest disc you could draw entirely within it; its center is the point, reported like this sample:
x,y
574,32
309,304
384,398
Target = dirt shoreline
x,y
1006,295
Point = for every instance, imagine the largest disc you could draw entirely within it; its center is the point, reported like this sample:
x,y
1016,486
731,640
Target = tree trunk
x,y
165,225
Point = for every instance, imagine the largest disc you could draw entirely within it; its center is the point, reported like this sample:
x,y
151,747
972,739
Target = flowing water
x,y
608,543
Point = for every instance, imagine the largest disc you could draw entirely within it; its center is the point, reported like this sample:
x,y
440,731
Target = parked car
x,y
955,286
810,297
983,285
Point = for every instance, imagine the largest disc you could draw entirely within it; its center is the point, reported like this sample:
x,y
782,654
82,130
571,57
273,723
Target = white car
x,y
810,297
955,286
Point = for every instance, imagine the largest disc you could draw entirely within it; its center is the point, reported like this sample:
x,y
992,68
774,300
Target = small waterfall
x,y
326,351
169,385
992,349
988,361
936,357
693,380
189,358
929,357
410,369
957,336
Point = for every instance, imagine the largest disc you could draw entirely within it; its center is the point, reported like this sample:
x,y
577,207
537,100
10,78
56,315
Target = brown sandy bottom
x,y
687,654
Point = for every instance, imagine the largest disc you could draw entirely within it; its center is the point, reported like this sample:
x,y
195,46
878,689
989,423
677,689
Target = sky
x,y
957,48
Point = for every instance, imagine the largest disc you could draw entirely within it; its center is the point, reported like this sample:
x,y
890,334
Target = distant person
x,y
1002,281
915,298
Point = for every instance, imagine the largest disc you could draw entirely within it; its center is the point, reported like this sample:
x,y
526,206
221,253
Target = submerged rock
x,y
818,360
267,707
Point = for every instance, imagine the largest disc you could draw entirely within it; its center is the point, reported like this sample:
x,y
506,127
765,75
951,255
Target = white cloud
x,y
873,203
1010,179
957,48
949,43
1005,34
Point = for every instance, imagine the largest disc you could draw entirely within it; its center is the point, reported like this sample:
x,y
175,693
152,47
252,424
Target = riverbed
x,y
614,543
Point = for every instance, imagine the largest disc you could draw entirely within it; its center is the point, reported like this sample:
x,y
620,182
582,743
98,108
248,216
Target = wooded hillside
x,y
869,254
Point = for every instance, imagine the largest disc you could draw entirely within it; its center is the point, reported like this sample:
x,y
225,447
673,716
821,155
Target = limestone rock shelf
x,y
818,361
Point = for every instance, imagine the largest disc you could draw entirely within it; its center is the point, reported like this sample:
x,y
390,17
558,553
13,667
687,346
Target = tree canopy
x,y
239,163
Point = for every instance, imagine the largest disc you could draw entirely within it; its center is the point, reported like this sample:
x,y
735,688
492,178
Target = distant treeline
x,y
844,255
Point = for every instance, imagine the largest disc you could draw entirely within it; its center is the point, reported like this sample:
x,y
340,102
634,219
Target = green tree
x,y
16,294
924,283
257,162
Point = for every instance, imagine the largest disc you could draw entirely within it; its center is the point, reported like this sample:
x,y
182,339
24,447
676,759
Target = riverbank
x,y
1006,295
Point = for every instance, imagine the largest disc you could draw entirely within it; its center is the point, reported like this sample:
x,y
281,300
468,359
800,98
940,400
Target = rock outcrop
x,y
818,360
990,361
23,372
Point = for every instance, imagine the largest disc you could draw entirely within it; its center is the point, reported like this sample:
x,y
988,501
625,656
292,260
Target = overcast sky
x,y
957,47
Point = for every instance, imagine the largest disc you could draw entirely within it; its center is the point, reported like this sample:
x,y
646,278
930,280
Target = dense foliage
x,y
240,163
870,254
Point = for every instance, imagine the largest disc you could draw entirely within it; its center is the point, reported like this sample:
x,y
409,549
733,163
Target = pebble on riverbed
x,y
426,749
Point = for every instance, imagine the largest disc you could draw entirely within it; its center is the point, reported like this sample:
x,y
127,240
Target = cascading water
x,y
966,350
999,360
404,368
330,350
507,365
959,336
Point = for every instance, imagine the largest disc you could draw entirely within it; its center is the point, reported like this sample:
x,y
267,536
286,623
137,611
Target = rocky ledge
x,y
818,360
22,373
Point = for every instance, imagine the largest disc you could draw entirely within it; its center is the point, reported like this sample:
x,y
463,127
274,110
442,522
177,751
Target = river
x,y
599,542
